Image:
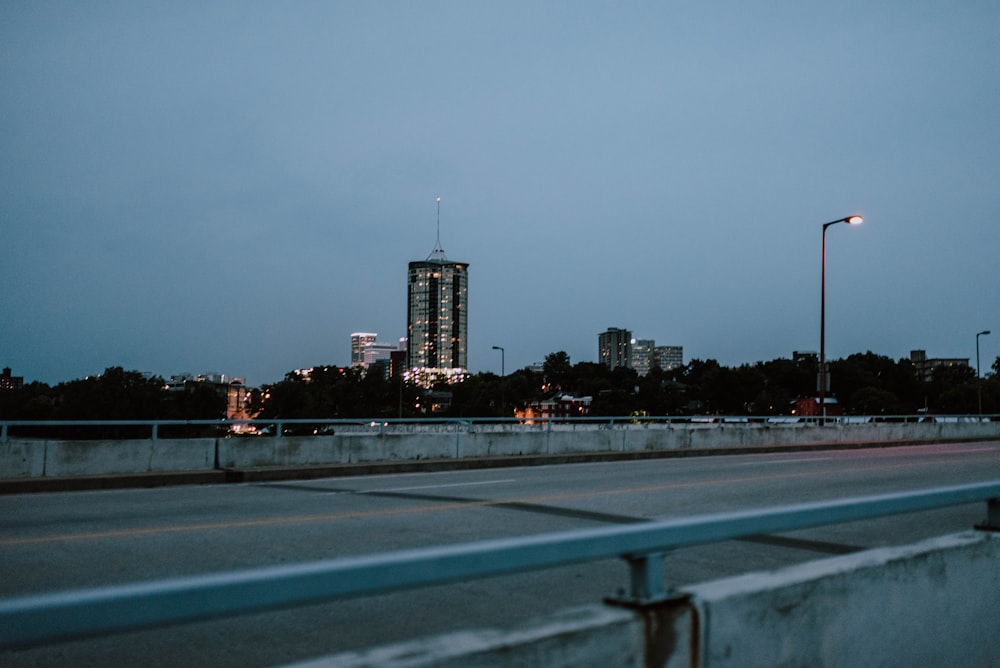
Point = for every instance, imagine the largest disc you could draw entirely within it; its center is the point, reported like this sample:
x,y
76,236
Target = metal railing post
x,y
156,430
3,432
992,522
645,579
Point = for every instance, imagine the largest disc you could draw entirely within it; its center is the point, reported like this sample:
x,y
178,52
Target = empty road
x,y
70,540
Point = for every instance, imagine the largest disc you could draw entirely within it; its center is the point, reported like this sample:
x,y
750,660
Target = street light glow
x,y
855,220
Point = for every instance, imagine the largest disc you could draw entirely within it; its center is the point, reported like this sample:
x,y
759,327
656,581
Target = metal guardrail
x,y
33,620
276,427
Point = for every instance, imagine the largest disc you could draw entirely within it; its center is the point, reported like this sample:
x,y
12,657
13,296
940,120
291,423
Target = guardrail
x,y
38,619
277,427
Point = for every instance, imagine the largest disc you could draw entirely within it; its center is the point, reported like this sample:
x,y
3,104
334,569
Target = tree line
x,y
865,384
116,394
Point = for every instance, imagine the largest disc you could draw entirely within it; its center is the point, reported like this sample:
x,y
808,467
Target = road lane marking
x,y
964,450
454,484
801,460
458,504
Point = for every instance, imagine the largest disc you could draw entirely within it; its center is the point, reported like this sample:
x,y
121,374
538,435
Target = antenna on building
x,y
438,252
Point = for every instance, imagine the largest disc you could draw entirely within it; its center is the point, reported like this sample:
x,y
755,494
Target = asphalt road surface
x,y
69,540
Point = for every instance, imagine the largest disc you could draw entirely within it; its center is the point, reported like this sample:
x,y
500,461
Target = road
x,y
71,540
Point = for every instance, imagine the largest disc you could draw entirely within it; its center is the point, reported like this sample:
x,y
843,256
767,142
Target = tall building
x,y
646,355
642,355
668,357
614,348
358,342
378,352
437,322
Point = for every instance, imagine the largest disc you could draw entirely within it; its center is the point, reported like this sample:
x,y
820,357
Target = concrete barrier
x,y
933,603
585,636
25,458
43,458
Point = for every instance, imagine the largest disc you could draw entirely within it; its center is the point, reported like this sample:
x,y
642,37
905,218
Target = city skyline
x,y
238,188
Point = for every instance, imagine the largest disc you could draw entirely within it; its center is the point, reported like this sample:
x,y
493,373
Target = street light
x,y
502,374
850,220
979,380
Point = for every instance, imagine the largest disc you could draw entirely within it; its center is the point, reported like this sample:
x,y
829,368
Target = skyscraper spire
x,y
437,321
438,252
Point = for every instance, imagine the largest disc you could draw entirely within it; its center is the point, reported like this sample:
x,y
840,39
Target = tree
x,y
477,396
336,392
870,383
789,379
523,388
875,401
953,389
116,394
556,370
30,402
868,370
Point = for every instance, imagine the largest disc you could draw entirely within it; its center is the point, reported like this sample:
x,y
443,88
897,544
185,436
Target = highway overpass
x,y
67,540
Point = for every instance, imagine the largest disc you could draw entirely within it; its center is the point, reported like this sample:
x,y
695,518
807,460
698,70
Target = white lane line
x,y
964,450
456,484
801,460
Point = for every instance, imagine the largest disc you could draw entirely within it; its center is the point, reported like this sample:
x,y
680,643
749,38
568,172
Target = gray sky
x,y
236,187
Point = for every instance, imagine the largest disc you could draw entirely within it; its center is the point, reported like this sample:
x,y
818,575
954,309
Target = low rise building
x,y
924,366
9,382
557,406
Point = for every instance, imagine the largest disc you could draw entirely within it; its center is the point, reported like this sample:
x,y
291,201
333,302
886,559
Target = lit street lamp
x,y
502,374
850,220
979,379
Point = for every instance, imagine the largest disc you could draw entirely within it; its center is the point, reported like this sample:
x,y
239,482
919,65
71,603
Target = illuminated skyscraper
x,y
642,355
359,340
668,357
437,322
614,347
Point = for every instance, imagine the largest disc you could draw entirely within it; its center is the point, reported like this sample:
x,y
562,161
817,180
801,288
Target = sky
x,y
236,187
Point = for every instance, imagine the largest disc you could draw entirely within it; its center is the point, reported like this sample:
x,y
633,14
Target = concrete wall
x,y
586,636
34,459
412,443
934,603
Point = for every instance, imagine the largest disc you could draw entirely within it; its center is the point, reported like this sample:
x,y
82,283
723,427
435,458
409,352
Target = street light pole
x,y
979,380
502,374
850,220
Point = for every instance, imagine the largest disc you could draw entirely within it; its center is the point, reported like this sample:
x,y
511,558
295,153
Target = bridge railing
x,y
278,427
37,619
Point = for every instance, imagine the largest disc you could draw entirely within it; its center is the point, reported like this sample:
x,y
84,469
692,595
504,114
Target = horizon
x,y
687,362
